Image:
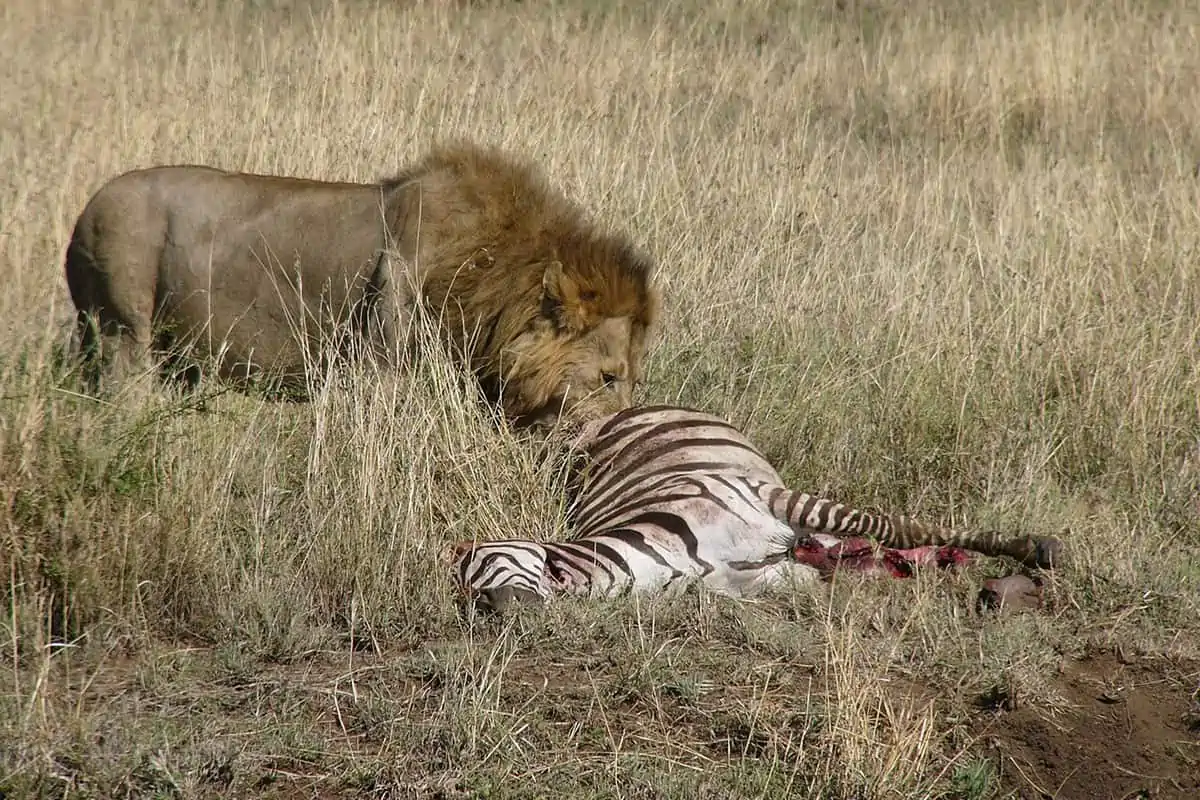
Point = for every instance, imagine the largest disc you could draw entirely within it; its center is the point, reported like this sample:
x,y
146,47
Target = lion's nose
x,y
601,405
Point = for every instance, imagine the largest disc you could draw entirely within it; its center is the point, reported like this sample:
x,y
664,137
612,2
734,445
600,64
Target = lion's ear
x,y
555,283
563,300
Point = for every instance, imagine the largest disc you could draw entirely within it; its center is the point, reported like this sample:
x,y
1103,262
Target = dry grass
x,y
942,258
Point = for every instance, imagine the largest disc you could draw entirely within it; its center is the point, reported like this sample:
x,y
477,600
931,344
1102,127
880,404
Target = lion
x,y
256,273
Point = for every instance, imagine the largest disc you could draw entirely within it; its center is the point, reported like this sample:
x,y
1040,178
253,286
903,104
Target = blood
x,y
828,554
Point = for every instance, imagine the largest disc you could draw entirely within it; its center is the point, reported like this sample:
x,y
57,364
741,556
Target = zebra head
x,y
491,576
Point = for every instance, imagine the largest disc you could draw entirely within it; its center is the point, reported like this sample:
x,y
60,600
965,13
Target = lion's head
x,y
553,315
581,356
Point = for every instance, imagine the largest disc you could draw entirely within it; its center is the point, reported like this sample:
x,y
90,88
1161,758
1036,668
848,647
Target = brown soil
x,y
1120,730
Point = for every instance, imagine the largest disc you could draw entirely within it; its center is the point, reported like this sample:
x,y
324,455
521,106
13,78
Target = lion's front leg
x,y
391,318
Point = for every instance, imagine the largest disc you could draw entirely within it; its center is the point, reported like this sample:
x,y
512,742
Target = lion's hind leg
x,y
88,350
112,358
113,289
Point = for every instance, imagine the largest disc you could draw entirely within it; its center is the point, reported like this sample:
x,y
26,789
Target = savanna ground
x,y
941,258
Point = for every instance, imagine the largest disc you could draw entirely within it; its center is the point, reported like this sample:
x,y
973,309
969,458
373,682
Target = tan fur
x,y
256,271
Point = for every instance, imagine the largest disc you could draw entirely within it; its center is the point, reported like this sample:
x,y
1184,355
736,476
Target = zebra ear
x,y
563,299
461,548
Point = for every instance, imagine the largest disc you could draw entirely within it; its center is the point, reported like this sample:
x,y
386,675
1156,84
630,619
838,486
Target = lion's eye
x,y
608,378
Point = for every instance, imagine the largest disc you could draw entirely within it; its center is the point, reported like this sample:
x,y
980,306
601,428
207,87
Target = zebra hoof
x,y
1048,553
1037,551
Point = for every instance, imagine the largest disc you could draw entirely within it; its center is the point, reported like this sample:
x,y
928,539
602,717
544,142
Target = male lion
x,y
255,272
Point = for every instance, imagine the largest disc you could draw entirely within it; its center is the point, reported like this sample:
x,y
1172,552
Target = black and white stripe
x,y
664,496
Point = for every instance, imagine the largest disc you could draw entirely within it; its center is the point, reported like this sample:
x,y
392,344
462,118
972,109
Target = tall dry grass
x,y
941,258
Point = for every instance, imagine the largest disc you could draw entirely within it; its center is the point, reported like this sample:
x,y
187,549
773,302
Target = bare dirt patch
x,y
1118,730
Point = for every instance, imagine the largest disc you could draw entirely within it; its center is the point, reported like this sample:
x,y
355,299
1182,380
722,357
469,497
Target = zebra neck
x,y
572,571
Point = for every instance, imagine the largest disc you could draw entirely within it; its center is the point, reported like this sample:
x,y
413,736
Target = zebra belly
x,y
759,557
725,536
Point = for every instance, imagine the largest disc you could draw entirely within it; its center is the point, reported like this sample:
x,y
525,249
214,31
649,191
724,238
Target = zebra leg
x,y
807,513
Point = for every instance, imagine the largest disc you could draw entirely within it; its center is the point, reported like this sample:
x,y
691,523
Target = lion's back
x,y
203,249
